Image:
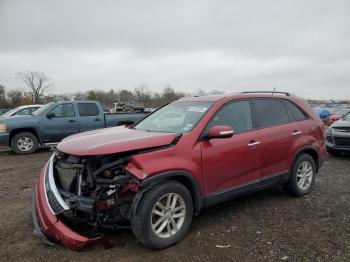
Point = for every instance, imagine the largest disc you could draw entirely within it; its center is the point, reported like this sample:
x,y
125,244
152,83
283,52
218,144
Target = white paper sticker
x,y
197,109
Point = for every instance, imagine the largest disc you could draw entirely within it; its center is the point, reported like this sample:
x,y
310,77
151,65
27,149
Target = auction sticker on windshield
x,y
197,109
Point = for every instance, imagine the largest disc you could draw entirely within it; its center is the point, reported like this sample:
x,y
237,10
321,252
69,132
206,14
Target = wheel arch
x,y
21,130
182,177
310,150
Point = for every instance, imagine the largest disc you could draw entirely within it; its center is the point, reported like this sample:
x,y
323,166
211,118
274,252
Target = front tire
x,y
24,143
303,176
163,216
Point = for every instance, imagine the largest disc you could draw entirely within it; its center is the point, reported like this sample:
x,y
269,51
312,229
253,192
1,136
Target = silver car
x,y
21,110
338,136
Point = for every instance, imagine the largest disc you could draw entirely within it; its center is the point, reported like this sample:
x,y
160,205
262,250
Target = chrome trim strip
x,y
53,187
47,200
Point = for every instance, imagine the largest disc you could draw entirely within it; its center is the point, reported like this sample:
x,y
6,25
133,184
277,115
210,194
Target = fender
x,y
178,175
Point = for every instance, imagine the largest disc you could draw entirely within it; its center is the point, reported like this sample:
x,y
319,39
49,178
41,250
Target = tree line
x,y
37,86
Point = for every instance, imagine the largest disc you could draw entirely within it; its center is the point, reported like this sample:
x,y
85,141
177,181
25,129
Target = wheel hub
x,y
25,144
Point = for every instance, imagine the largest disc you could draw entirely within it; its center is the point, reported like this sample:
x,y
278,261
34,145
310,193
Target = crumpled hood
x,y
113,140
341,123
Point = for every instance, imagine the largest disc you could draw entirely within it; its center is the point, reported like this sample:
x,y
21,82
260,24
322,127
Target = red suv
x,y
188,155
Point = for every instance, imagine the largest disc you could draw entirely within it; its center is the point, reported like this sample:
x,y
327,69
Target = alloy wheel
x,y
304,175
168,215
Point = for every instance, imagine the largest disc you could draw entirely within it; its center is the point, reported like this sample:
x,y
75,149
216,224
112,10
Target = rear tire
x,y
163,216
303,175
24,143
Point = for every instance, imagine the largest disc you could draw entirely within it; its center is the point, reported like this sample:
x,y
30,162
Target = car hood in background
x,y
341,123
113,140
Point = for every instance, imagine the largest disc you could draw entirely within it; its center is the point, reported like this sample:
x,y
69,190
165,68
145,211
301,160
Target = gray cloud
x,y
301,46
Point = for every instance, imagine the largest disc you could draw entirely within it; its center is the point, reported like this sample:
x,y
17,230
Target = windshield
x,y
347,117
175,117
42,109
342,111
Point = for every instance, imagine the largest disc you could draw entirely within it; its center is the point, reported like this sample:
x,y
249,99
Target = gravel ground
x,y
266,226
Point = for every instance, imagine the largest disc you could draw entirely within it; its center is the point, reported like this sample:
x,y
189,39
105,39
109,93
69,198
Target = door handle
x,y
97,119
71,121
254,143
296,132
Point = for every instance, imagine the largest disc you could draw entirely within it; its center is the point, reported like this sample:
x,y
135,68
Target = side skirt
x,y
250,187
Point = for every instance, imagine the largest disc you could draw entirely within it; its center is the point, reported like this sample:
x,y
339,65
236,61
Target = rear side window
x,y
88,109
270,112
297,114
236,115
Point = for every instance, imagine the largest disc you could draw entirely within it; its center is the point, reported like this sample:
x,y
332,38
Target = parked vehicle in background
x,y
107,110
337,114
135,106
119,107
21,110
54,121
3,111
132,106
338,136
157,174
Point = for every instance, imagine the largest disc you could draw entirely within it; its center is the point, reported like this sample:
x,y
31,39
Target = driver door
x,y
63,123
229,163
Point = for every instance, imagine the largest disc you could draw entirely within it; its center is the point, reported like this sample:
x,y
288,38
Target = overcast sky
x,y
298,46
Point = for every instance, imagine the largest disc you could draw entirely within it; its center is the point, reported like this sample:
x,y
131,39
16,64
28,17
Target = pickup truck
x,y
54,121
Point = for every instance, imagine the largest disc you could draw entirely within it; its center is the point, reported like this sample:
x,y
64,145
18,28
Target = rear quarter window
x,y
88,109
295,111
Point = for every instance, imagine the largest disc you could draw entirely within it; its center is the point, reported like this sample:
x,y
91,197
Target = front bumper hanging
x,y
50,229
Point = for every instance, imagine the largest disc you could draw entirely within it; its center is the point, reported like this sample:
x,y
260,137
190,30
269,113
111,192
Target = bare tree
x,y
3,102
37,82
143,94
15,97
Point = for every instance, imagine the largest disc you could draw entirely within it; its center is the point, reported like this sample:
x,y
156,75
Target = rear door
x,y
89,116
277,139
232,162
63,123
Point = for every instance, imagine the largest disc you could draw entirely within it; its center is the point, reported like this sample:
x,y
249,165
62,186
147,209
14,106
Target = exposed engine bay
x,y
98,191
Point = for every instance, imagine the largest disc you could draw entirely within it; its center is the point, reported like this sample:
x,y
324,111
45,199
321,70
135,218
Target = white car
x,y
21,111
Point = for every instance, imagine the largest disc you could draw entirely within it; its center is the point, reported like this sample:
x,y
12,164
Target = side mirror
x,y
220,132
50,115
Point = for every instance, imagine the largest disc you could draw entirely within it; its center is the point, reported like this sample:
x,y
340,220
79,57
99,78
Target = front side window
x,y
237,115
175,117
270,112
88,109
63,110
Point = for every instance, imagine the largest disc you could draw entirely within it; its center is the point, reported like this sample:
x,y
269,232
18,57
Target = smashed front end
x,y
78,196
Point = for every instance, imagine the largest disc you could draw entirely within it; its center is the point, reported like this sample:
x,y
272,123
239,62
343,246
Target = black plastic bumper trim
x,y
37,229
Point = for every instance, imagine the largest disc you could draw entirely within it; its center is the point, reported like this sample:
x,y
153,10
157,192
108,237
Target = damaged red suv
x,y
188,155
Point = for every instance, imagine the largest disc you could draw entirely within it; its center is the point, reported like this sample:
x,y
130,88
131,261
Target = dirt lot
x,y
266,226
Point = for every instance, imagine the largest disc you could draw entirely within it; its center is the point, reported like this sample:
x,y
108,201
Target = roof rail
x,y
268,92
